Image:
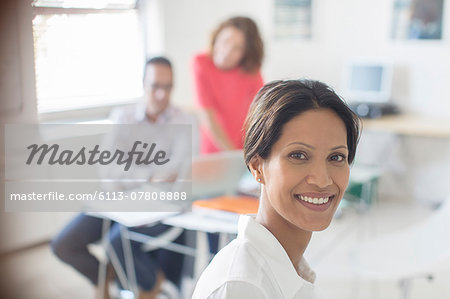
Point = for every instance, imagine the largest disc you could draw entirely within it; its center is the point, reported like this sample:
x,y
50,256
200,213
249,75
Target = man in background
x,y
151,268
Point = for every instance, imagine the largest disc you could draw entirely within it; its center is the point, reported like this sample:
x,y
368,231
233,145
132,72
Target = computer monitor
x,y
368,80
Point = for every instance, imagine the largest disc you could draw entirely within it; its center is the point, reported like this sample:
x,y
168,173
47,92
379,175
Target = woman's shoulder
x,y
234,270
202,59
253,75
238,260
231,290
246,258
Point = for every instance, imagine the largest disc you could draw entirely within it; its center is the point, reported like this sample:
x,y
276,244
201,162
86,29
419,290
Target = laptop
x,y
217,174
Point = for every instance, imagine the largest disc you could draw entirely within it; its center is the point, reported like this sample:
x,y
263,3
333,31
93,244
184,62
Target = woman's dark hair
x,y
254,46
278,102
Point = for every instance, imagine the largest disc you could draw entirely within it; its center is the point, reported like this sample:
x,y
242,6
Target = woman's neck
x,y
293,239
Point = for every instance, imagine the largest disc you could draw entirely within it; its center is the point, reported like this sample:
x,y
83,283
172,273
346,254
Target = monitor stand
x,y
373,110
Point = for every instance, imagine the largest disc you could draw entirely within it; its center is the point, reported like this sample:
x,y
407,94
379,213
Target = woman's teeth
x,y
314,200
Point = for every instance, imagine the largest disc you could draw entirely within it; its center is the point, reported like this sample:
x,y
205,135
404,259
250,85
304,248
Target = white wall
x,y
17,91
180,28
341,29
18,105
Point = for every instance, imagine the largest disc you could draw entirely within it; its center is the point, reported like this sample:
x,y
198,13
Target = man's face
x,y
157,88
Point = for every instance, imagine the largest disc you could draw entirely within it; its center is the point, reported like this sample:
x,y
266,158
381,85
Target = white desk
x,y
202,221
128,220
205,220
410,125
413,152
133,219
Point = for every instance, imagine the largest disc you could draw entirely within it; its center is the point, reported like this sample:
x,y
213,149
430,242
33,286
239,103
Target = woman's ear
x,y
255,166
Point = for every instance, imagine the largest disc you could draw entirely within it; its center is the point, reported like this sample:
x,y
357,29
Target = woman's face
x,y
229,48
307,172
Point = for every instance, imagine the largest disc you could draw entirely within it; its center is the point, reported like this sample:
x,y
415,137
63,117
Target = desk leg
x,y
128,257
106,224
224,239
202,256
112,257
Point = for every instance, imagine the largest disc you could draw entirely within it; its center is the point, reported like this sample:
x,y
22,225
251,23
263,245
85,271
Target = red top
x,y
228,94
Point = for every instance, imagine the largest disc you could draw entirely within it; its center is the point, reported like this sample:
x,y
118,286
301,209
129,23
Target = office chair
x,y
362,187
409,253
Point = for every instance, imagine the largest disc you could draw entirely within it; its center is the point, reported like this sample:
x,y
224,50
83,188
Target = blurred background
x,y
74,61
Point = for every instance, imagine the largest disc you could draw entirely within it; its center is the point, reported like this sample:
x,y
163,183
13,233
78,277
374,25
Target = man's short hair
x,y
157,60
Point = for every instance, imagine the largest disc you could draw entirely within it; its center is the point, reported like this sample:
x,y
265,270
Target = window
x,y
87,54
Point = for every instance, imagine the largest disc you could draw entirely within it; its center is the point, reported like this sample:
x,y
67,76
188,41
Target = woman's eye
x,y
338,158
298,156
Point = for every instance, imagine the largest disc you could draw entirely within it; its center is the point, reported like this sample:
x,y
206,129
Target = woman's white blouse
x,y
254,265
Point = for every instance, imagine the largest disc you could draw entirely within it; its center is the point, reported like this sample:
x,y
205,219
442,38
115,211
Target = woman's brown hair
x,y
254,46
279,101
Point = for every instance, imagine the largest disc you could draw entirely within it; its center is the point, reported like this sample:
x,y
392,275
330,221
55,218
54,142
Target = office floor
x,y
35,273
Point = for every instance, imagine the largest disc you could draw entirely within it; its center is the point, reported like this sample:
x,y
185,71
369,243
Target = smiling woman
x,y
306,173
226,79
300,141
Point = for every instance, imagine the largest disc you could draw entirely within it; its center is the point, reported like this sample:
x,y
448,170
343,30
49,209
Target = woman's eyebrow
x,y
312,147
301,143
339,147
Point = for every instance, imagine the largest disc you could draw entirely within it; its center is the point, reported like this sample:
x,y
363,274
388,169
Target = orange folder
x,y
235,204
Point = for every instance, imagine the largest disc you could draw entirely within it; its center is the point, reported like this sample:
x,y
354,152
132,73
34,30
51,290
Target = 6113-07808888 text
x,y
143,195
101,196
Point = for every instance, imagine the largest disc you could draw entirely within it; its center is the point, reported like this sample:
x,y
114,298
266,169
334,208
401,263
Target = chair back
x,y
409,252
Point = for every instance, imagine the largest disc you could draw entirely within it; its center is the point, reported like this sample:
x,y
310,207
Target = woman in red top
x,y
226,80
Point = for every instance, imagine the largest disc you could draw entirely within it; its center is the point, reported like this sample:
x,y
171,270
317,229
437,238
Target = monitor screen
x,y
368,81
366,78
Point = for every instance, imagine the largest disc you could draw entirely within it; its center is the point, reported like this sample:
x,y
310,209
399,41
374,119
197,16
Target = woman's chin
x,y
321,227
224,65
316,226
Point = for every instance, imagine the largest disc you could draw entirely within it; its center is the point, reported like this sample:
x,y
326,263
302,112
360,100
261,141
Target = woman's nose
x,y
319,175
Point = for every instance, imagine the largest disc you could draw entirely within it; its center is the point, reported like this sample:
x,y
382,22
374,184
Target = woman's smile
x,y
315,202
